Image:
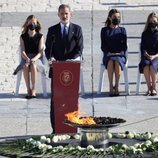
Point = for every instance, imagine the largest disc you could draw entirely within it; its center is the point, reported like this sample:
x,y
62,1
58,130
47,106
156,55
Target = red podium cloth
x,y
66,75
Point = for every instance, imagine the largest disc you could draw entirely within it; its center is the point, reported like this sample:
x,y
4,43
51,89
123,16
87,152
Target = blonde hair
x,y
25,25
151,15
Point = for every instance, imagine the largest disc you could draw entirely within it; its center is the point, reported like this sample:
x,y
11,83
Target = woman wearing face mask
x,y
114,46
149,53
32,46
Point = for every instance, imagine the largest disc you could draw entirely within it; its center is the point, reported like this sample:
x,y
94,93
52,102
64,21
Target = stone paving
x,y
19,116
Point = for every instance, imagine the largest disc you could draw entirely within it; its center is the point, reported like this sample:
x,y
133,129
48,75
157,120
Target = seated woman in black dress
x,y
149,53
114,46
32,48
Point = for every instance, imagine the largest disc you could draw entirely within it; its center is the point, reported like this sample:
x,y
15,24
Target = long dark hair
x,y
111,12
25,25
151,15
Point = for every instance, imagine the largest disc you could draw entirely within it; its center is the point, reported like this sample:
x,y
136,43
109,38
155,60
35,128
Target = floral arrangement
x,y
43,146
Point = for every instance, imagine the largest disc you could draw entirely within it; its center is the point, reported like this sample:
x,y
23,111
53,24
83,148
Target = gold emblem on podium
x,y
66,77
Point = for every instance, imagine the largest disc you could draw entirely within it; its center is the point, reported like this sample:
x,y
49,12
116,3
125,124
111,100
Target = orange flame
x,y
74,117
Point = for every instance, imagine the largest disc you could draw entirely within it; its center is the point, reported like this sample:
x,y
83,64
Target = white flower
x,y
138,148
124,146
110,149
154,139
34,143
55,139
134,133
71,148
49,147
96,150
38,143
109,135
139,151
121,135
147,135
43,139
48,140
63,137
78,147
121,151
138,136
65,149
77,136
130,135
137,145
59,138
90,147
29,140
101,149
67,136
40,146
148,143
133,149
60,147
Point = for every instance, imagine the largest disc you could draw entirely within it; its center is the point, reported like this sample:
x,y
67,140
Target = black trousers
x,y
52,114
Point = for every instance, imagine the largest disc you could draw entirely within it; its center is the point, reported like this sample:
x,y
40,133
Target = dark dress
x,y
31,45
114,40
149,44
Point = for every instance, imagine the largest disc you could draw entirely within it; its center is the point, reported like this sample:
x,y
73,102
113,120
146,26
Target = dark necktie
x,y
64,37
64,31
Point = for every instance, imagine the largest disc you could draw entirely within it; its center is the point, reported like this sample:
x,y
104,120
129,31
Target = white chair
x,y
125,72
81,81
81,74
43,80
139,75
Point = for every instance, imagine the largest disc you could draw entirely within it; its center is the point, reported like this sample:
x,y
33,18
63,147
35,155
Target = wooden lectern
x,y
66,75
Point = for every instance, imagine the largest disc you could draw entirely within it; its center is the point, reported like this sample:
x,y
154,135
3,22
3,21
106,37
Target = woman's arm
x,y
151,57
103,41
23,53
144,52
124,40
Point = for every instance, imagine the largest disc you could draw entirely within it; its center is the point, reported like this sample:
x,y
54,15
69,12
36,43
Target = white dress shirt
x,y
62,27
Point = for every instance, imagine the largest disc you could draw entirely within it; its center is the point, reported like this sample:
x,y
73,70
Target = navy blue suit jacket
x,y
54,43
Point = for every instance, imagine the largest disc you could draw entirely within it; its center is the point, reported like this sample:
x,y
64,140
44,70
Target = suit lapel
x,y
70,32
59,31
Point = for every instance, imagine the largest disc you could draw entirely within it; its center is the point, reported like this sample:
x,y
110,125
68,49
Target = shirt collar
x,y
62,25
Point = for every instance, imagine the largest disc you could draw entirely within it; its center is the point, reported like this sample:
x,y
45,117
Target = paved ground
x,y
19,116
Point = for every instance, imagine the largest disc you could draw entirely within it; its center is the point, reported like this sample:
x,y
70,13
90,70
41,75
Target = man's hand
x,y
51,60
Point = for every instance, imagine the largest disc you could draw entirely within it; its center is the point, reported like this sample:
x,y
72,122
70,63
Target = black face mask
x,y
32,26
116,21
153,24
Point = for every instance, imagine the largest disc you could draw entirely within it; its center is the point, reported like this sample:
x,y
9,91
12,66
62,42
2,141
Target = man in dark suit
x,y
64,42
